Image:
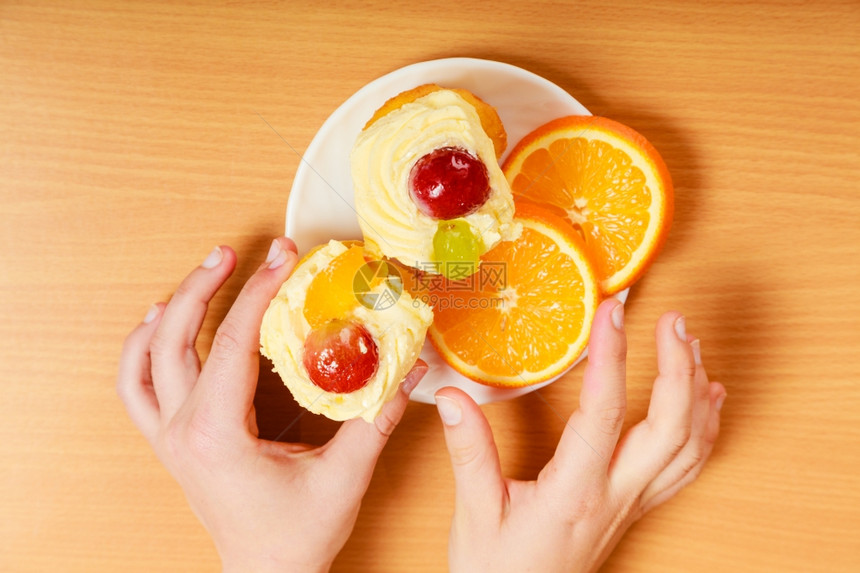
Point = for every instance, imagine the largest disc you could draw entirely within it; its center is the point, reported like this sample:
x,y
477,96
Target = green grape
x,y
457,248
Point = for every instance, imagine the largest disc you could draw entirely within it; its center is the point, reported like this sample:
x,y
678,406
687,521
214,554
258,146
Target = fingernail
x,y
617,316
720,400
274,250
697,352
213,259
151,314
279,260
277,255
449,411
414,377
681,328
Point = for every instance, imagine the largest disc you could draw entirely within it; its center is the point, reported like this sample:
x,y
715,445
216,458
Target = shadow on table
x,y
280,417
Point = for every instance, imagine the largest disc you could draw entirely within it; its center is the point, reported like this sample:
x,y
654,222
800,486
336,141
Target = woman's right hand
x,y
595,486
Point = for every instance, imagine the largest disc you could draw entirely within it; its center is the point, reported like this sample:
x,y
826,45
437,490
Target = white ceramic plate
x,y
321,204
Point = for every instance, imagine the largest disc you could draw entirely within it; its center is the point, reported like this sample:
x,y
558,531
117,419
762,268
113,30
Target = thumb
x,y
478,479
358,444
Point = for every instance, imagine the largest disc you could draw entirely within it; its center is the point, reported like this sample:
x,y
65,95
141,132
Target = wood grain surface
x,y
131,142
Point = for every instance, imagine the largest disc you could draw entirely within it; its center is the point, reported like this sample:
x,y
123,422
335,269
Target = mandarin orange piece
x,y
330,295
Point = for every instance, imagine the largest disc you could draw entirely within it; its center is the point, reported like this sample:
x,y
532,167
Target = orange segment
x,y
330,294
607,181
526,315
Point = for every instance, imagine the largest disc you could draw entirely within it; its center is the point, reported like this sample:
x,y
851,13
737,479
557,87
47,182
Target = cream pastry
x,y
342,333
429,191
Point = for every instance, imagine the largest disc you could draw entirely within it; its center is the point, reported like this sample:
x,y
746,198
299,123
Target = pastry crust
x,y
490,120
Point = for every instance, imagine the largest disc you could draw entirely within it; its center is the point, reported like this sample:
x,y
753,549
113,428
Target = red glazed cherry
x,y
340,356
449,182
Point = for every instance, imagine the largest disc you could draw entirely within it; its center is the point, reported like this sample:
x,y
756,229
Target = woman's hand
x,y
268,505
594,487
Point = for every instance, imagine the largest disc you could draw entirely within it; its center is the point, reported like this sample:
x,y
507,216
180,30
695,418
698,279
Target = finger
x,y
175,364
588,440
134,381
229,377
694,449
357,444
479,485
651,445
680,476
670,412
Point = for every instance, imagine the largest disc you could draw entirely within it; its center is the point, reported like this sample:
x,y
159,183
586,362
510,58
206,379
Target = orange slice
x,y
607,181
526,315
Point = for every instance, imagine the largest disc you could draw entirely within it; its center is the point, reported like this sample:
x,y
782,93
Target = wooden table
x,y
131,141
